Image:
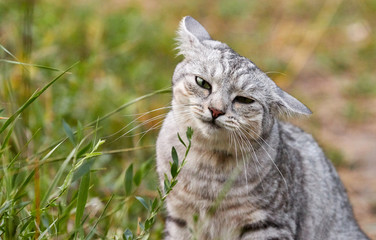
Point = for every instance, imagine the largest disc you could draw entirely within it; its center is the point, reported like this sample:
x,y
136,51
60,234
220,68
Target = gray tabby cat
x,y
248,175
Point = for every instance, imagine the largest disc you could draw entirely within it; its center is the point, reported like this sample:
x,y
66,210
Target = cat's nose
x,y
215,112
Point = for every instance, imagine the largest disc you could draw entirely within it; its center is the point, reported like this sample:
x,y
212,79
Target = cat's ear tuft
x,y
286,105
190,35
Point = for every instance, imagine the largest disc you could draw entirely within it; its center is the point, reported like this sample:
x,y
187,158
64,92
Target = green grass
x,y
75,147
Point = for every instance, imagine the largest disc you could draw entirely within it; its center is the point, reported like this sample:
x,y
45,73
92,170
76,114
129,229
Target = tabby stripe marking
x,y
257,226
180,222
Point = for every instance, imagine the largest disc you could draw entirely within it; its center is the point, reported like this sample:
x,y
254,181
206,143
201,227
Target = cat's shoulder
x,y
297,138
293,132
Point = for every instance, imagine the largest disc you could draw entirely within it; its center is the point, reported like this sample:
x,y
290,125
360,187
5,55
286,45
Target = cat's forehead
x,y
227,66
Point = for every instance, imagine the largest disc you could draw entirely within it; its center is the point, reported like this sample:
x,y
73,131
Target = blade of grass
x,y
6,50
23,185
7,137
57,177
125,105
91,233
128,180
81,201
37,198
10,54
22,150
32,65
168,90
69,132
68,178
33,97
47,229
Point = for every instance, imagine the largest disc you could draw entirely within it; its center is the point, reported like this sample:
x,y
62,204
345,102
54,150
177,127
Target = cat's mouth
x,y
212,124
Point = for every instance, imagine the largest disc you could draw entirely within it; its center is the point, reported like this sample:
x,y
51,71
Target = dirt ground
x,y
353,138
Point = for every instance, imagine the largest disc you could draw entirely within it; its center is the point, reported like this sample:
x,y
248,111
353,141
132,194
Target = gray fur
x,y
248,175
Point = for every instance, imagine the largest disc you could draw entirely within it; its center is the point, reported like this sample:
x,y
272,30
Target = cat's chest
x,y
205,176
215,197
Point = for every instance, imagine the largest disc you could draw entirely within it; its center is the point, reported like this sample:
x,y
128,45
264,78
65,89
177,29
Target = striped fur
x,y
248,175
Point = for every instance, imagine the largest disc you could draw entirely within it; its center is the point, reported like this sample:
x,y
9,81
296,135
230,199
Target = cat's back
x,y
328,213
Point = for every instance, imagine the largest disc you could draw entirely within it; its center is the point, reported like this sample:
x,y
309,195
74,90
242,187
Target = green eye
x,y
244,100
202,83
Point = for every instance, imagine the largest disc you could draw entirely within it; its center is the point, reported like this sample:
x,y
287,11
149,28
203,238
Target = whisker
x,y
245,140
141,124
269,157
158,124
142,115
145,113
258,136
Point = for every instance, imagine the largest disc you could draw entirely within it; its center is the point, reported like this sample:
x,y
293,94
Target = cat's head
x,y
222,94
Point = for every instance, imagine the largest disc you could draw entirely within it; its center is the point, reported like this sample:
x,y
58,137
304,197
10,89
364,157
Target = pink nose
x,y
215,112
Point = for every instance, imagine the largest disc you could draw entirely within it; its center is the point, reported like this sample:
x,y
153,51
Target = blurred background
x,y
323,52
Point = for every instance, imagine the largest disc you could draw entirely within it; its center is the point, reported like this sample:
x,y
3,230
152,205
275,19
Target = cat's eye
x,y
202,83
244,100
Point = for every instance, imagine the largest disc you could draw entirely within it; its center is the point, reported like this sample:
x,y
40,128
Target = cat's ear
x,y
190,35
286,105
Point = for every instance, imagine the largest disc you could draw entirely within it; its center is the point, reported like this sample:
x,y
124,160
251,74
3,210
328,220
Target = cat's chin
x,y
210,130
211,125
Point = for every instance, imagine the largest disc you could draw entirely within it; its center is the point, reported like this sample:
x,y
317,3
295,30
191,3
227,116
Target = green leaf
x,y
84,150
138,177
69,132
82,198
181,140
24,184
143,202
21,205
26,224
189,133
174,169
92,154
128,180
142,171
5,207
148,223
166,184
174,156
80,131
173,183
159,193
83,169
175,163
195,218
146,236
155,204
128,235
